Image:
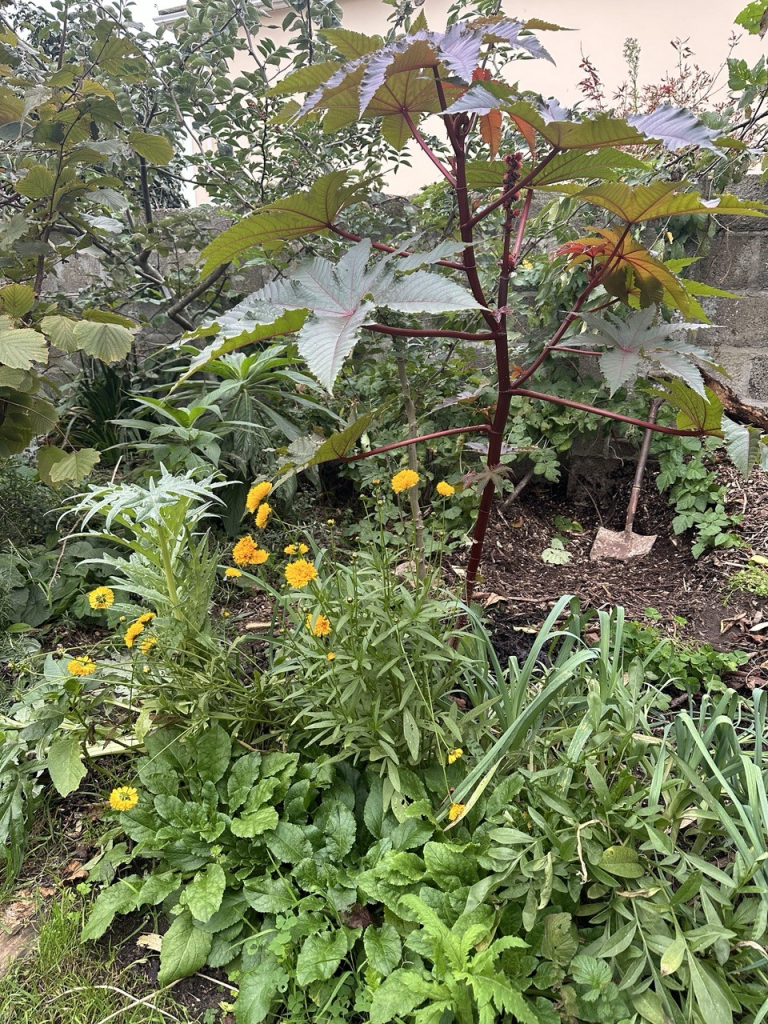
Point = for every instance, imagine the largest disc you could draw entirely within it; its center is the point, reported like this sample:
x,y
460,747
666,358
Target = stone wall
x,y
738,262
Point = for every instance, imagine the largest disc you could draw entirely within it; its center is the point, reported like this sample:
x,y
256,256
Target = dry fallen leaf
x,y
150,941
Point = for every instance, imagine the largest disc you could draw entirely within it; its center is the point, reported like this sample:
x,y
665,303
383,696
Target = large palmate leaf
x,y
694,411
305,213
673,127
314,449
743,444
636,203
340,298
573,164
396,80
635,344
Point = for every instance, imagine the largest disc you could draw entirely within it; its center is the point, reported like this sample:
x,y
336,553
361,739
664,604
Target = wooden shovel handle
x,y
637,483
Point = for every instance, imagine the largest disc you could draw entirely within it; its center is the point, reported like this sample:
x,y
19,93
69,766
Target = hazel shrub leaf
x,y
21,347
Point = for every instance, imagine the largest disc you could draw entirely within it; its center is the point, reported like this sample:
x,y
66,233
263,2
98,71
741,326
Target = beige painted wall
x,y
600,29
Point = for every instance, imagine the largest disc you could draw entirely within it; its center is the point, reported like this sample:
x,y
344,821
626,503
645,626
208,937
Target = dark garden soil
x,y
518,587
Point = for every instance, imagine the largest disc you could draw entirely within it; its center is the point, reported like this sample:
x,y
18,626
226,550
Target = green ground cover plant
x,y
308,764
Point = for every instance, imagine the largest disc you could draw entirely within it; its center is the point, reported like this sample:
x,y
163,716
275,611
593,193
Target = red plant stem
x,y
607,414
499,330
523,183
521,229
424,332
480,427
432,156
451,264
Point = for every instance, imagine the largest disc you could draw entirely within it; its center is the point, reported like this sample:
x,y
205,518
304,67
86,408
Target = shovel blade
x,y
622,546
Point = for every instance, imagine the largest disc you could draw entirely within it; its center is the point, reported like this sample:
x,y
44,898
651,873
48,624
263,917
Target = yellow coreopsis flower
x,y
83,666
454,755
232,574
321,625
146,617
248,552
262,515
455,811
444,489
300,573
123,798
257,494
296,549
404,480
330,656
101,598
132,632
146,645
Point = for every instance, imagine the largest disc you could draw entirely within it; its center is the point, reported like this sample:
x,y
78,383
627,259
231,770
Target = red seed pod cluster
x,y
513,162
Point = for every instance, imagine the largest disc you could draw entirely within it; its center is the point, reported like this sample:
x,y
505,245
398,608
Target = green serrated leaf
x,y
320,956
184,950
108,342
203,895
302,214
383,947
57,467
20,348
155,148
65,764
213,750
257,989
17,299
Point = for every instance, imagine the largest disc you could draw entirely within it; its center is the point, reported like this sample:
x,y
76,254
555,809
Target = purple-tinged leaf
x,y
674,127
552,110
459,50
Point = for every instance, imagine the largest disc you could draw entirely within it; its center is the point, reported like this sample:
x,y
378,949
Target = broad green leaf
x,y
399,995
57,467
411,734
155,148
695,413
305,213
65,764
255,824
158,886
576,164
673,956
382,947
312,450
203,895
637,203
559,942
743,445
289,843
242,778
11,107
305,79
213,750
257,989
106,341
447,865
622,861
60,330
184,950
17,299
270,895
320,956
713,1004
20,348
340,830
352,44
38,183
120,898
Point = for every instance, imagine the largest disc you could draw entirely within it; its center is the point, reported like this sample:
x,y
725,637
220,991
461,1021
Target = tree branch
x,y
478,428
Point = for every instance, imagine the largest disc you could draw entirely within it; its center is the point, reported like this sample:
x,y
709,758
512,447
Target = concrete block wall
x,y
738,262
